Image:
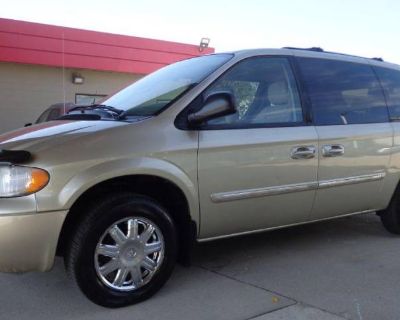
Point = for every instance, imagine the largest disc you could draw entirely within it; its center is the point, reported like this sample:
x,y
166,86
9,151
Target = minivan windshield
x,y
151,94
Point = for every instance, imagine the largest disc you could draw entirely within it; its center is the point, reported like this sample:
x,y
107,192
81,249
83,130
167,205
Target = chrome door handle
x,y
303,152
332,150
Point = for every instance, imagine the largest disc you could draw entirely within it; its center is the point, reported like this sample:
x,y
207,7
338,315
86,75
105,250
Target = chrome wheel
x,y
129,253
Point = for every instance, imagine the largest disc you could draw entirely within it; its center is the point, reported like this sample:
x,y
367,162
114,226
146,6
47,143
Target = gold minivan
x,y
207,148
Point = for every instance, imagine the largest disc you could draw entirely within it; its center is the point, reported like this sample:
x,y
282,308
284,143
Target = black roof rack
x,y
318,49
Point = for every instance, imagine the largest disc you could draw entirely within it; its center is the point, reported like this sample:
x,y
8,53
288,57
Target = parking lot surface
x,y
341,269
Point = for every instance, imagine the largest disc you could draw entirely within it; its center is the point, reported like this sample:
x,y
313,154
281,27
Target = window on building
x,y
343,92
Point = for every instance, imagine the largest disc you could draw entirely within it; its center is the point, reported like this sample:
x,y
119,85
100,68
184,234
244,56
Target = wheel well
x,y
165,192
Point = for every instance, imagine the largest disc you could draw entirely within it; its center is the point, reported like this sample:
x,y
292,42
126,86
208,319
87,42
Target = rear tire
x,y
390,217
123,251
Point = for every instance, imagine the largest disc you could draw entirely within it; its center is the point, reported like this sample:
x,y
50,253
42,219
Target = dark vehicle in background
x,y
61,111
54,112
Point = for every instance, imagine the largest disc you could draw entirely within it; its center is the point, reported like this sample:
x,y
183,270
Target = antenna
x,y
63,69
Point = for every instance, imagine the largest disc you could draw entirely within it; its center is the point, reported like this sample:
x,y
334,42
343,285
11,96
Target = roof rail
x,y
318,49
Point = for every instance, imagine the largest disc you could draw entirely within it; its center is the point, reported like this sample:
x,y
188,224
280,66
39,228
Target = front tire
x,y
123,251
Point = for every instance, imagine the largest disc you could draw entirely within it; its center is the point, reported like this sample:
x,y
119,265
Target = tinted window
x,y
43,117
390,80
343,92
88,99
54,114
265,93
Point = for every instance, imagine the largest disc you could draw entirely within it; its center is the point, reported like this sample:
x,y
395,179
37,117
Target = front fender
x,y
104,171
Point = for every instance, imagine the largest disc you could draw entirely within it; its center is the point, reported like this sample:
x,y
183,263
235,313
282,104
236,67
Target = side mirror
x,y
216,105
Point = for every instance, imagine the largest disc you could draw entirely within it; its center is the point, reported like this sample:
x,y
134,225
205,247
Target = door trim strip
x,y
306,186
262,192
351,180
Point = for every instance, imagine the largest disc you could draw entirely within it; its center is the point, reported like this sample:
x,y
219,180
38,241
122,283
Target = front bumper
x,y
28,242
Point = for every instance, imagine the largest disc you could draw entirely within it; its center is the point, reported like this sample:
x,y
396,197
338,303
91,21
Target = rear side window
x,y
390,80
343,92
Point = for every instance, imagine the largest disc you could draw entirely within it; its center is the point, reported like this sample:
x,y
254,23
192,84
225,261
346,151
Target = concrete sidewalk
x,y
298,312
343,269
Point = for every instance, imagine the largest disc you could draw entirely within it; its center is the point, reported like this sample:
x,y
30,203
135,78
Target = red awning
x,y
41,44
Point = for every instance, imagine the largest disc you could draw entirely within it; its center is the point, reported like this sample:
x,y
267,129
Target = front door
x,y
257,169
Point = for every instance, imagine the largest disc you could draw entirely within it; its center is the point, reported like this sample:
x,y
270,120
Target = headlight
x,y
16,181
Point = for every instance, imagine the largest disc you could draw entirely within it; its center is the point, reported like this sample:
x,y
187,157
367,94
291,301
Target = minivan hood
x,y
53,132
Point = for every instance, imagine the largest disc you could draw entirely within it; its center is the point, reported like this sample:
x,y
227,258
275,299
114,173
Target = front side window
x,y
265,93
54,114
151,94
390,80
43,117
342,92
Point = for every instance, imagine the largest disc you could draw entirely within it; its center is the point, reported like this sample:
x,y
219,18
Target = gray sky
x,y
363,27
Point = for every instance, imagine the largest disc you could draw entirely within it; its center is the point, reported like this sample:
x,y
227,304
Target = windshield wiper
x,y
79,113
114,110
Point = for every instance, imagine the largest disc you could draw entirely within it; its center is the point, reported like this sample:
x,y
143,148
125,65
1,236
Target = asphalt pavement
x,y
341,269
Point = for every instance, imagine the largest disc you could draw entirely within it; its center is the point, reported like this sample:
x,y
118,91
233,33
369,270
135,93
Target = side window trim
x,y
181,122
304,97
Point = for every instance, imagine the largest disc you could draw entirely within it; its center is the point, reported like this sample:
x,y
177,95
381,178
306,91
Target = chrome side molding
x,y
313,185
262,192
351,180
